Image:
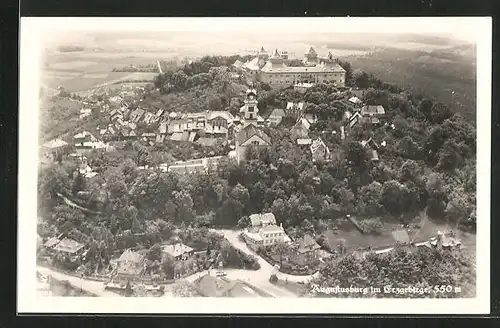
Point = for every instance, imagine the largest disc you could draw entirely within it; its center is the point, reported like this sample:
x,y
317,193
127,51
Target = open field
x,y
81,81
80,71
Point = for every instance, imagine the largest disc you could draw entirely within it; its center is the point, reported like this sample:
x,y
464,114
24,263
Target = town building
x,y
304,142
372,114
69,247
319,150
372,147
136,115
294,109
274,71
178,251
276,116
129,266
249,110
351,120
250,135
355,101
263,231
54,148
210,286
212,124
52,242
302,87
195,165
301,129
85,112
306,251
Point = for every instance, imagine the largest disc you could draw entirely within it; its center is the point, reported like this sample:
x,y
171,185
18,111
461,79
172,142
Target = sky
x,y
462,28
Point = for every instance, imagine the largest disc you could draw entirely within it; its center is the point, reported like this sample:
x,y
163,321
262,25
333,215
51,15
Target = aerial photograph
x,y
256,164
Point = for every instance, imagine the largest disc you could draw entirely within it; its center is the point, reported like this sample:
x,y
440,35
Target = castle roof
x,y
299,69
311,51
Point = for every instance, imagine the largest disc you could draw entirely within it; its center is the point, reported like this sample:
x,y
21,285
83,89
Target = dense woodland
x,y
447,75
427,166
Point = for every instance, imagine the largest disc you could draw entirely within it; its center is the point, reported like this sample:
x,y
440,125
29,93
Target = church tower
x,y
249,109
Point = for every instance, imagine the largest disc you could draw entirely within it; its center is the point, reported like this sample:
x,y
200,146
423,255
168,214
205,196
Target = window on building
x,y
256,143
250,108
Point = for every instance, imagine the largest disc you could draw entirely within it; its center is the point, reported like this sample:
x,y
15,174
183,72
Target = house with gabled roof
x,y
250,135
319,150
210,286
352,120
263,231
305,252
372,148
294,109
304,141
301,129
372,114
276,116
136,115
51,149
178,251
130,266
160,138
68,246
355,101
163,128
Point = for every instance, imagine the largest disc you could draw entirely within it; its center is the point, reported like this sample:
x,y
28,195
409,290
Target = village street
x,y
265,267
91,286
258,278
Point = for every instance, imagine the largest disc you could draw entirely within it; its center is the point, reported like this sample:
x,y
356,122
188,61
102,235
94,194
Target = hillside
x,y
195,99
447,75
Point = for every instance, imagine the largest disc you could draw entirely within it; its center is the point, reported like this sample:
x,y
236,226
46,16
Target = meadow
x,y
80,71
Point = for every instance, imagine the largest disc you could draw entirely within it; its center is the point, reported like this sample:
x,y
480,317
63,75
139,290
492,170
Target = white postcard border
x,y
32,29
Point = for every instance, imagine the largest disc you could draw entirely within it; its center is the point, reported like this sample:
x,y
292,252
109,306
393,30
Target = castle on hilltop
x,y
274,71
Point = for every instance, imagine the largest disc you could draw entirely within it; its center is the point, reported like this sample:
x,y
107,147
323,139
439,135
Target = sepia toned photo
x,y
255,165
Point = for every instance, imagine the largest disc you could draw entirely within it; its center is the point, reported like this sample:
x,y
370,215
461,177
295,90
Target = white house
x,y
263,231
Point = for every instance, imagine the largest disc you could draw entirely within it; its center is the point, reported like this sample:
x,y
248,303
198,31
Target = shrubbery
x,y
371,225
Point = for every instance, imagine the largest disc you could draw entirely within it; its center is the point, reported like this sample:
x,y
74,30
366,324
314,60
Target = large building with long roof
x,y
274,71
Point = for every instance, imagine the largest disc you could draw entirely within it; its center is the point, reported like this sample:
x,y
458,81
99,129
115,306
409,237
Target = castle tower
x,y
263,54
330,60
275,61
311,57
284,54
249,109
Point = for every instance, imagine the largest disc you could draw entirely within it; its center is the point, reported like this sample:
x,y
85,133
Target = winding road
x,y
258,278
91,286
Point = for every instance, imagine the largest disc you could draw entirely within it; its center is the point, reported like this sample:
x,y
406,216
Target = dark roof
x,y
130,268
373,110
307,244
250,131
51,242
68,246
267,218
210,286
131,256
